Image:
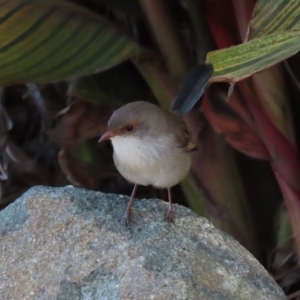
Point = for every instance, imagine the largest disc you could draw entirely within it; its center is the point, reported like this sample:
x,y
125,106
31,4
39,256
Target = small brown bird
x,y
152,146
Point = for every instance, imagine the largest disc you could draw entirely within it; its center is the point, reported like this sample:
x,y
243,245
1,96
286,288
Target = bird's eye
x,y
129,127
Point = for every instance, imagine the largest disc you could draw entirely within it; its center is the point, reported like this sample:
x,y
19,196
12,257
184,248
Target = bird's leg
x,y
127,217
169,216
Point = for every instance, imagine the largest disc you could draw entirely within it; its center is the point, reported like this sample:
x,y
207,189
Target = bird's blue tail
x,y
193,88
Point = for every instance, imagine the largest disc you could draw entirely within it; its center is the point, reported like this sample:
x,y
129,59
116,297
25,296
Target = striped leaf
x,y
43,41
238,62
274,16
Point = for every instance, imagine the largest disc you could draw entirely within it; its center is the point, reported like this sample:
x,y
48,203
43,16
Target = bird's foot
x,y
127,220
170,216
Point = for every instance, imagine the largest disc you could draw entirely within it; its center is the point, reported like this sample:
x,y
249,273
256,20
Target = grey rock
x,y
70,244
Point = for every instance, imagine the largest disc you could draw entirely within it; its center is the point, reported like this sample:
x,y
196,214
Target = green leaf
x,y
42,41
194,197
238,62
284,230
274,16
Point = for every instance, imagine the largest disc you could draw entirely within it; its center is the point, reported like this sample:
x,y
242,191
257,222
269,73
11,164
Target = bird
x,y
151,145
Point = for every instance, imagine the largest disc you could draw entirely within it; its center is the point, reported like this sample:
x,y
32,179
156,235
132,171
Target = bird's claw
x,y
170,217
127,220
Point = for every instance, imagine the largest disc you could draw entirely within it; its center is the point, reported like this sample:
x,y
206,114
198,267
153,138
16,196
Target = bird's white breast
x,y
158,162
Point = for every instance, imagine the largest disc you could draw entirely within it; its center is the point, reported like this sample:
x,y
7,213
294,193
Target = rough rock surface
x,y
69,244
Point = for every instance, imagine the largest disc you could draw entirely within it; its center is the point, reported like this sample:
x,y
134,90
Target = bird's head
x,y
133,119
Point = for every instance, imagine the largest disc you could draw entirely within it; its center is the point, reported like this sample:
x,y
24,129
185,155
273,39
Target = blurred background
x,y
65,66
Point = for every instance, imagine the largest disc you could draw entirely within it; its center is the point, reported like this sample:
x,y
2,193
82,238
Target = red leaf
x,y
283,155
222,22
238,133
80,122
79,173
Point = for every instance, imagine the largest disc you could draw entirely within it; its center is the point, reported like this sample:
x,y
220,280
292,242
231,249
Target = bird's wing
x,y
193,88
183,136
188,144
175,125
